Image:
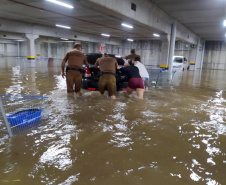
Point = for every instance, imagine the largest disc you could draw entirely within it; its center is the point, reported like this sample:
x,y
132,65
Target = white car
x,y
180,62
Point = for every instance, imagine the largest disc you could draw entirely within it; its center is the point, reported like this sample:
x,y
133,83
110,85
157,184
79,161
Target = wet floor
x,y
176,135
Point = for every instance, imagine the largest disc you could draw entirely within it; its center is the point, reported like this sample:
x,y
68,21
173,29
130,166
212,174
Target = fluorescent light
x,y
131,40
156,35
20,40
63,39
62,26
67,41
61,3
224,23
127,25
106,35
225,34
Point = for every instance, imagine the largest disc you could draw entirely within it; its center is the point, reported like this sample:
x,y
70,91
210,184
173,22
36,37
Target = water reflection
x,y
176,135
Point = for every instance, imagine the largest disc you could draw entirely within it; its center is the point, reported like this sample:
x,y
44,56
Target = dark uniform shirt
x,y
75,58
132,56
107,64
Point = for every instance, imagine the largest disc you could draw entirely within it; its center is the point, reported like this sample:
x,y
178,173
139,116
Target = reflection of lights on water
x,y
70,179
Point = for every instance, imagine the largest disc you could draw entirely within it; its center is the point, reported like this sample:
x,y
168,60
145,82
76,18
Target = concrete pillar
x,y
31,48
165,49
203,52
90,47
18,49
49,50
172,44
197,54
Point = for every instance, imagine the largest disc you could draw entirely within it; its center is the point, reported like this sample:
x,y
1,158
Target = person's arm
x,y
86,62
63,65
97,63
116,64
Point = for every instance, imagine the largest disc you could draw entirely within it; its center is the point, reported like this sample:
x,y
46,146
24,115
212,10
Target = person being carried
x,y
135,82
108,66
132,55
142,70
74,69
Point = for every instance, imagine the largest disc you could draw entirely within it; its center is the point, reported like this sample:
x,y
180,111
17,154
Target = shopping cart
x,y
160,77
20,112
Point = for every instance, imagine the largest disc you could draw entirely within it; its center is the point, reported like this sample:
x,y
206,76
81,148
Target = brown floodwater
x,y
176,135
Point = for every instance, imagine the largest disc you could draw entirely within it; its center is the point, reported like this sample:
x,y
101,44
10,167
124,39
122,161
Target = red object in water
x,y
92,89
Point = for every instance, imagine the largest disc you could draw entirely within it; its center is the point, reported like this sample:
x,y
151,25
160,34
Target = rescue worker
x,y
74,70
108,66
97,61
132,55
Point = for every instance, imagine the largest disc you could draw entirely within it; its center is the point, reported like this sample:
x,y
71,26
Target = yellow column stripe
x,y
163,66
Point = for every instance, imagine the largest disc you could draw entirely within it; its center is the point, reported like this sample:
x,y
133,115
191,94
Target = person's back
x,y
142,69
75,58
131,71
108,64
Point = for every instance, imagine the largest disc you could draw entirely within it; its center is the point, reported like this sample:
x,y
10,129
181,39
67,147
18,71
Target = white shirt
x,y
142,70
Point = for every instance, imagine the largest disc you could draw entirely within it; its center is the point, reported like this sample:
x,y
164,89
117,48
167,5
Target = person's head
x,y
132,51
78,46
105,55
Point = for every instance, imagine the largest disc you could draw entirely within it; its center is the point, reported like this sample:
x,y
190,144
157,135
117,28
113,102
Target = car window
x,y
185,59
92,57
177,60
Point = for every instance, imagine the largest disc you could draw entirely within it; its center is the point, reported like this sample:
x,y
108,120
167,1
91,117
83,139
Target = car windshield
x,y
92,57
177,60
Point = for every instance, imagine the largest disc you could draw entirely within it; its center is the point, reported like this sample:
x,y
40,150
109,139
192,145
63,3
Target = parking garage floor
x,y
176,135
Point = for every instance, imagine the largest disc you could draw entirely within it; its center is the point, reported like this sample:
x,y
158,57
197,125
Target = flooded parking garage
x,y
176,135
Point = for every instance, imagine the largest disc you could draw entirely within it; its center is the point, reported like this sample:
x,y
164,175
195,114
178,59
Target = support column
x,y
197,54
90,47
18,49
203,52
165,50
31,48
172,44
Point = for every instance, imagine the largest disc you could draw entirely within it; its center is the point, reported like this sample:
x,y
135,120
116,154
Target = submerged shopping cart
x,y
160,77
20,112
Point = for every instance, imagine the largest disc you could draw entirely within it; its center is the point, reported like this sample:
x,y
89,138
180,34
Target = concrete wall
x,y
184,49
52,47
215,55
149,51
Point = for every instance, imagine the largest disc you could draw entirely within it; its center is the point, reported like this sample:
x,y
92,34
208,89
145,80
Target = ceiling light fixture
x,y
20,40
156,35
61,3
127,25
131,40
62,26
63,39
224,23
105,35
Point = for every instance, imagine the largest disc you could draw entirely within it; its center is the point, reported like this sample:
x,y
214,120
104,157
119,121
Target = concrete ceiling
x,y
203,17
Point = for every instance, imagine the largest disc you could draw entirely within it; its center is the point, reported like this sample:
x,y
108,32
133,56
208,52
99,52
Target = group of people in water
x,y
135,71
